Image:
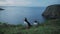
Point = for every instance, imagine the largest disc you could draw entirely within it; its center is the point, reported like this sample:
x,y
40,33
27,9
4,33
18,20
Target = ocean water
x,y
16,15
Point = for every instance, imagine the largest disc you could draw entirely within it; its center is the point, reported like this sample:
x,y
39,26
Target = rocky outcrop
x,y
52,12
1,9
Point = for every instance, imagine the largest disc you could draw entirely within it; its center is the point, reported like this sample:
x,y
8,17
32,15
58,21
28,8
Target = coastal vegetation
x,y
50,26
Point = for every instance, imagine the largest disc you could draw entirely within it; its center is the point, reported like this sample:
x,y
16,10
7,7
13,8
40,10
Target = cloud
x,y
49,2
10,2
2,3
28,2
18,2
44,2
15,2
23,3
2,0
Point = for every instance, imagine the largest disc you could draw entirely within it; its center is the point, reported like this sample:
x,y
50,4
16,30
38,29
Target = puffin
x,y
26,23
35,23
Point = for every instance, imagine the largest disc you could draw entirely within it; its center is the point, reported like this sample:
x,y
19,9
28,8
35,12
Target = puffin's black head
x,y
35,21
25,19
27,22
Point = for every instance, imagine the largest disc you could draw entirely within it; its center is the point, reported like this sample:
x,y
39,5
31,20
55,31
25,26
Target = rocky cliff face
x,y
52,12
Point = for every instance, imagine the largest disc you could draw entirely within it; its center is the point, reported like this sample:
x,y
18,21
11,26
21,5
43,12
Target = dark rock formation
x,y
52,12
1,9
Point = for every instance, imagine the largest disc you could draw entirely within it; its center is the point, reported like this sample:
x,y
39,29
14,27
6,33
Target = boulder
x,y
52,12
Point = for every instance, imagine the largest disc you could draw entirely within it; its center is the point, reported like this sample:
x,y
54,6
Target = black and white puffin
x,y
26,23
35,23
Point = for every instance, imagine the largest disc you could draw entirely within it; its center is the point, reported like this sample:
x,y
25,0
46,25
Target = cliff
x,y
52,12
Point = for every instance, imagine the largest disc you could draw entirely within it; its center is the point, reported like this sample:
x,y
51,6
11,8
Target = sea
x,y
17,14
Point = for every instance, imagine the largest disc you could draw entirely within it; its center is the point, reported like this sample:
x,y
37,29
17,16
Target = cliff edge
x,y
52,12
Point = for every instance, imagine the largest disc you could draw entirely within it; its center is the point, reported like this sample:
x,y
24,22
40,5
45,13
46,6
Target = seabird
x,y
26,23
35,23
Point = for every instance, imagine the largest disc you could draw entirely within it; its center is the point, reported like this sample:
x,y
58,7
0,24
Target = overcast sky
x,y
28,2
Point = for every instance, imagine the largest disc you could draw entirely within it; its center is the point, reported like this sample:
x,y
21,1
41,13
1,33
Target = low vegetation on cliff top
x,y
49,27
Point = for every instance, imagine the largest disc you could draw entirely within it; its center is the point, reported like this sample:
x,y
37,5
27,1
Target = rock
x,y
1,9
52,12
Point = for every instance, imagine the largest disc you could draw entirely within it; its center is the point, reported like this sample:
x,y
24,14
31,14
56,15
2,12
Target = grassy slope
x,y
50,27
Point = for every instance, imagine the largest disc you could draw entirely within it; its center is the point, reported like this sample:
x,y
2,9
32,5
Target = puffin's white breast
x,y
25,23
35,24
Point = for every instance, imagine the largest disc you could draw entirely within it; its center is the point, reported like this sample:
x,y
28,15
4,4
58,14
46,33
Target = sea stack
x,y
1,9
52,12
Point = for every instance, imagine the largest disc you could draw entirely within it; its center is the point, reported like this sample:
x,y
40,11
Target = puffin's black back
x,y
27,22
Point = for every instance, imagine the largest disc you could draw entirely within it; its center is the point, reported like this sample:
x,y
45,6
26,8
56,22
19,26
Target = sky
x,y
28,2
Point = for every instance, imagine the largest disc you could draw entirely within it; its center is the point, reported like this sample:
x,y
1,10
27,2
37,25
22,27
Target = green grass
x,y
49,27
